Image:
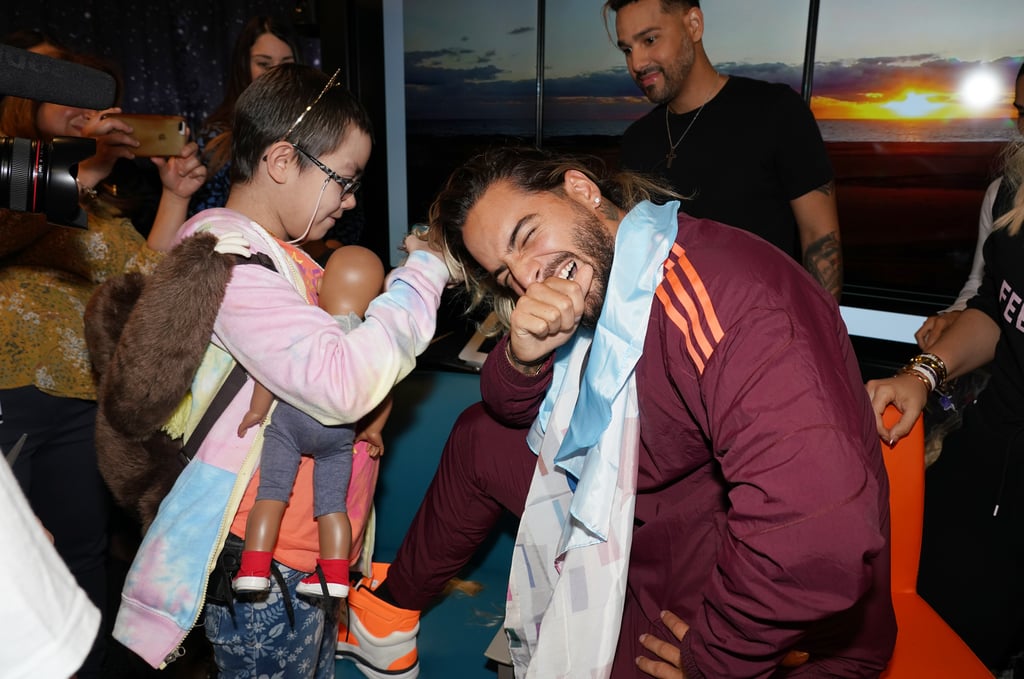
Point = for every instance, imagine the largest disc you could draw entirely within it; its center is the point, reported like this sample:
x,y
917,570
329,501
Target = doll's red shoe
x,y
329,580
253,573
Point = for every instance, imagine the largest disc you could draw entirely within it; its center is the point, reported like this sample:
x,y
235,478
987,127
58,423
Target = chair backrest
x,y
904,463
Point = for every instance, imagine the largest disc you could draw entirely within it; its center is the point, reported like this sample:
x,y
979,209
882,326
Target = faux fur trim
x,y
165,337
146,337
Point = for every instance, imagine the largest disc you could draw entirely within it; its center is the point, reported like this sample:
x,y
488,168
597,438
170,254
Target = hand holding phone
x,y
158,135
182,174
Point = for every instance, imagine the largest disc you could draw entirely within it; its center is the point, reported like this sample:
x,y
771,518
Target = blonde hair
x,y
1013,175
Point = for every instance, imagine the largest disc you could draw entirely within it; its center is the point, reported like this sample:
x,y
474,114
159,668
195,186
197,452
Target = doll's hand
x,y
374,443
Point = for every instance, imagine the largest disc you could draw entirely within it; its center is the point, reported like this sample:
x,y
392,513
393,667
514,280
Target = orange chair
x,y
925,645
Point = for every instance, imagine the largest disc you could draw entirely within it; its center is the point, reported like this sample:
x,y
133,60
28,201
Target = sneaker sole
x,y
314,589
249,583
365,663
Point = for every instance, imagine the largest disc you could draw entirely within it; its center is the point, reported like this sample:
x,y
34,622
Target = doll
x,y
352,277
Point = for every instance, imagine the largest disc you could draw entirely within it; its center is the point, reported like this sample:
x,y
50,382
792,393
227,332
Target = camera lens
x,y
39,176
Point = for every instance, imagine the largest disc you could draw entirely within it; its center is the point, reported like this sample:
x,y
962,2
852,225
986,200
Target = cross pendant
x,y
670,157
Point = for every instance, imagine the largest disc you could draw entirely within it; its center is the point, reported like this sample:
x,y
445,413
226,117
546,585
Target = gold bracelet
x,y
933,364
527,368
909,370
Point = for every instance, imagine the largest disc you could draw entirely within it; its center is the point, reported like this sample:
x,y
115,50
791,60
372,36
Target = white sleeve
x,y
978,266
49,624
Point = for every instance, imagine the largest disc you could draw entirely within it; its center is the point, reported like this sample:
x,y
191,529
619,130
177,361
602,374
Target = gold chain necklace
x,y
671,155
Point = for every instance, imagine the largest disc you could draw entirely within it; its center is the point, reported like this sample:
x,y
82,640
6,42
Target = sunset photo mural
x,y
913,101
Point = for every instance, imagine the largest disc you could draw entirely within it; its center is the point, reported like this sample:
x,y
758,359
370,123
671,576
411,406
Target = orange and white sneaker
x,y
378,637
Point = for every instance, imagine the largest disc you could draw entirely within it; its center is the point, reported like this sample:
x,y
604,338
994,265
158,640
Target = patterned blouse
x,y
47,274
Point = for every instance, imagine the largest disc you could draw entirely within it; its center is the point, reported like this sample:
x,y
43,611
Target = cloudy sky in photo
x,y
874,58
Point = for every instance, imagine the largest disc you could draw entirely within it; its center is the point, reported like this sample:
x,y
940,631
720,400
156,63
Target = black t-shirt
x,y
753,148
1001,297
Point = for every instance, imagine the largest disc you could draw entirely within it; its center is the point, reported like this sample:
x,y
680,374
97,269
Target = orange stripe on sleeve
x,y
701,293
680,322
683,297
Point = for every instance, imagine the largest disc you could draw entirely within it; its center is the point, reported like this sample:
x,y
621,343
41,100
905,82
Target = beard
x,y
674,76
595,247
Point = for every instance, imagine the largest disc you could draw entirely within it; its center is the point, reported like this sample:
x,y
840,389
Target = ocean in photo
x,y
960,130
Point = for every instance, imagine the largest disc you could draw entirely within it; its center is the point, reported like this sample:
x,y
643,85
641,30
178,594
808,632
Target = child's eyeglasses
x,y
348,184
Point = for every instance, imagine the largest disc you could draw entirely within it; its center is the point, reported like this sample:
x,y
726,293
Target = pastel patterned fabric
x,y
299,352
568,579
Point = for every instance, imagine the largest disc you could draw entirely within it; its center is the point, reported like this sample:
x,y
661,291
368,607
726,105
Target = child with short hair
x,y
300,145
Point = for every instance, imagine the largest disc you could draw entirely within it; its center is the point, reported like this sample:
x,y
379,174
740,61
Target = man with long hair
x,y
676,414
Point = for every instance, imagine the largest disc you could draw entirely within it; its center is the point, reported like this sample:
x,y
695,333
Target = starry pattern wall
x,y
173,55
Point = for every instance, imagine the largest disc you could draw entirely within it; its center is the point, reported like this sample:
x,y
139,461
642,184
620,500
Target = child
x,y
353,277
300,143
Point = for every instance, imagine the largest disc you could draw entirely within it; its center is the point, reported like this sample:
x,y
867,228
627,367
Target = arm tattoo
x,y
824,260
827,188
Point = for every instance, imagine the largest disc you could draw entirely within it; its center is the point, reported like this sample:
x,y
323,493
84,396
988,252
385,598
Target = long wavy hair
x,y
530,170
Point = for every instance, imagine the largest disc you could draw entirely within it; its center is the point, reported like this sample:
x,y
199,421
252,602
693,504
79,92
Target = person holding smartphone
x,y
47,275
106,180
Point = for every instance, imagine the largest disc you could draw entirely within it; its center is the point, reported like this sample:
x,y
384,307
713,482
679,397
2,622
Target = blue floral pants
x,y
259,642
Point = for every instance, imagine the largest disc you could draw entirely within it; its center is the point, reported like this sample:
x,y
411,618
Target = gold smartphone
x,y
158,135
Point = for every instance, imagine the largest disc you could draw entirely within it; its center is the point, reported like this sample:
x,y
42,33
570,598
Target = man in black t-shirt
x,y
745,152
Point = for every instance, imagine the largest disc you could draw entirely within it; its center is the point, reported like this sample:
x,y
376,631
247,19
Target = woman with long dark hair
x,y
264,42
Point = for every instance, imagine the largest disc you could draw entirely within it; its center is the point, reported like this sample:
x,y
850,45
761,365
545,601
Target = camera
x,y
39,176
